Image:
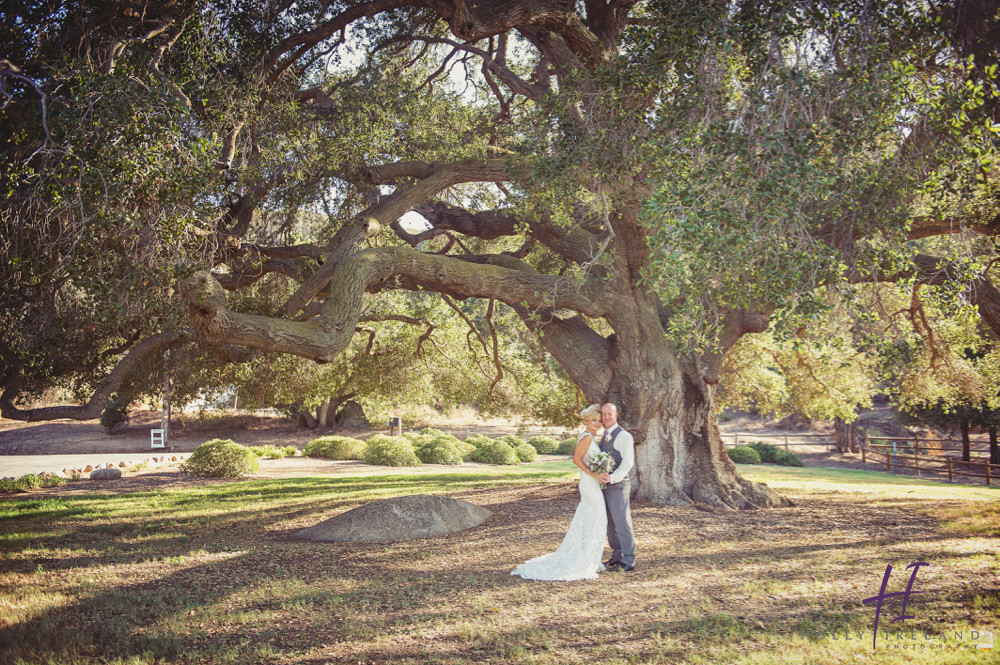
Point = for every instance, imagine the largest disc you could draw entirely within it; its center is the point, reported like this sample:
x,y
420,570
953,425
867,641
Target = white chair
x,y
156,439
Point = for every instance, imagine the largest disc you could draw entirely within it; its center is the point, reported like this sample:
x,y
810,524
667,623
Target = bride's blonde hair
x,y
590,411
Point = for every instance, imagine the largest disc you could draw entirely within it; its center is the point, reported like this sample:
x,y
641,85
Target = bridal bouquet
x,y
601,463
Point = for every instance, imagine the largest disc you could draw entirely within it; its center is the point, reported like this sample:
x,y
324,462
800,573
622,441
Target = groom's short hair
x,y
611,404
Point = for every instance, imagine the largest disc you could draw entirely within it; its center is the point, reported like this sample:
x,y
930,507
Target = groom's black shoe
x,y
618,566
611,562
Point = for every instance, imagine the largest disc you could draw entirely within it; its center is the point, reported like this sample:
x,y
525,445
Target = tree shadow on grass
x,y
251,595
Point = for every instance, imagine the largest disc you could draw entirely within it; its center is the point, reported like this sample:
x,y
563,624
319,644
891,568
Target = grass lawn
x,y
212,574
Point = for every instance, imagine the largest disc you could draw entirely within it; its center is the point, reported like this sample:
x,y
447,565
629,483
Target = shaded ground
x,y
224,581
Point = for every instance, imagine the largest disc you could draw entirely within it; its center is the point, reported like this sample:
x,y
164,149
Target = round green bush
x,y
478,440
743,455
545,445
495,451
436,447
335,448
787,458
768,453
526,453
513,440
443,450
566,447
221,458
390,451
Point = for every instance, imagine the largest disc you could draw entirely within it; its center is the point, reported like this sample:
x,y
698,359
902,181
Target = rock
x,y
122,465
105,474
88,468
400,518
351,415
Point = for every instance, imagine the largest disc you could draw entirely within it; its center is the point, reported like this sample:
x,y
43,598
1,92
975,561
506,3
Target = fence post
x,y
888,458
786,443
863,448
736,438
987,471
916,461
949,468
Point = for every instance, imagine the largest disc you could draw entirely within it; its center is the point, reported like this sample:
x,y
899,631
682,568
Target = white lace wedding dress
x,y
579,555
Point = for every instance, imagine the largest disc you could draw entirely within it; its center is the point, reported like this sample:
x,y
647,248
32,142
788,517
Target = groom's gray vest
x,y
608,446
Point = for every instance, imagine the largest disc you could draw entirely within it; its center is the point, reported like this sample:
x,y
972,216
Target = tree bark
x,y
306,420
846,434
994,446
680,458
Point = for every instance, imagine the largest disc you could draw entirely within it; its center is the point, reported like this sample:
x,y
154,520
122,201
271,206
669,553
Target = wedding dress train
x,y
579,555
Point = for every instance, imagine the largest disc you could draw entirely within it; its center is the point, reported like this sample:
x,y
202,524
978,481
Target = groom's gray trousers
x,y
616,502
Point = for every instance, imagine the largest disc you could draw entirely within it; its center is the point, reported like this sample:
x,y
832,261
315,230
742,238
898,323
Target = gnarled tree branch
x,y
95,405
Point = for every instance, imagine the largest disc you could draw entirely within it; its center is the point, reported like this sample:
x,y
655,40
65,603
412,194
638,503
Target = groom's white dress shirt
x,y
624,444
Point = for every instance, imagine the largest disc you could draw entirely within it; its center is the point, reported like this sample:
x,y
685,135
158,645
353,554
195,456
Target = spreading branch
x,y
99,400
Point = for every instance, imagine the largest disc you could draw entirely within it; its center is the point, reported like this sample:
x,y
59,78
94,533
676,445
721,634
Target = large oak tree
x,y
643,183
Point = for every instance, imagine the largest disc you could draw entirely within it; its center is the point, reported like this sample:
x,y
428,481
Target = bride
x,y
579,555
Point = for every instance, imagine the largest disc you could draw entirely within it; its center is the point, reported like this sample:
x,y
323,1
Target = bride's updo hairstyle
x,y
590,412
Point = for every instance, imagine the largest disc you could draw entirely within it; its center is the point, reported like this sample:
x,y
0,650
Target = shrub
x,y
436,447
526,453
115,416
478,440
290,451
267,451
335,448
390,451
545,445
513,440
495,451
221,458
786,458
566,447
29,482
767,452
443,451
743,455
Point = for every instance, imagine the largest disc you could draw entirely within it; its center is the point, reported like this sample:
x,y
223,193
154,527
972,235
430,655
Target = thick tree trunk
x,y
680,458
322,414
306,420
846,434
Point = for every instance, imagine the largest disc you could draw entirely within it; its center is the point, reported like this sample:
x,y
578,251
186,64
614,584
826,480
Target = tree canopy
x,y
642,183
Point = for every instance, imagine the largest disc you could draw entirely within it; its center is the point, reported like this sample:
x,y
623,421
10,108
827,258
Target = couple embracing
x,y
600,511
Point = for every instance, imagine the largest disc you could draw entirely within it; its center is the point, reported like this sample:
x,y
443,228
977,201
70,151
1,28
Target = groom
x,y
618,490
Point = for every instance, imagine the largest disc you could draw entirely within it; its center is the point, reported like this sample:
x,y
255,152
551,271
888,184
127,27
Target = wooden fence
x,y
829,441
901,453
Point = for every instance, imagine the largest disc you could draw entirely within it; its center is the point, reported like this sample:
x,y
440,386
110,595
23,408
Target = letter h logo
x,y
883,595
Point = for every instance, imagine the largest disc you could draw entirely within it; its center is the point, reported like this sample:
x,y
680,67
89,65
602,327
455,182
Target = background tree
x,y
643,183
